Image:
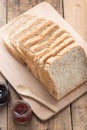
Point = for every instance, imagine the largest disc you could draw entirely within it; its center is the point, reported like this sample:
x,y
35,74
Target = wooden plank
x,y
3,110
2,12
78,20
75,12
79,113
62,121
27,4
17,7
13,9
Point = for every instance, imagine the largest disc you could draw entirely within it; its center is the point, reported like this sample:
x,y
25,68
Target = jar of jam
x,y
21,112
4,93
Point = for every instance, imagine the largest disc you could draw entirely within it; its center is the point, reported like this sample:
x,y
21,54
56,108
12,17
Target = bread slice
x,y
12,50
17,23
23,26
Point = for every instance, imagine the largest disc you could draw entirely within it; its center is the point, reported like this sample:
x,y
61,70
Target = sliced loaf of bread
x,y
51,54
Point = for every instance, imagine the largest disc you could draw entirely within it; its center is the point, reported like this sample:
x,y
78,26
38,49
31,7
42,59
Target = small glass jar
x,y
4,93
21,112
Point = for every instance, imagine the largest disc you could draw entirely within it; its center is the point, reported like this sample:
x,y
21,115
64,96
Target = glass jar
x,y
4,93
21,112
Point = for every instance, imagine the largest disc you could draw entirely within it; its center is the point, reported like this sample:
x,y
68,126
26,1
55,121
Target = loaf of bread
x,y
50,53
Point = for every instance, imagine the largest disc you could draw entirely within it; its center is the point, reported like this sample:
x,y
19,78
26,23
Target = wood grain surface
x,y
74,117
3,110
78,21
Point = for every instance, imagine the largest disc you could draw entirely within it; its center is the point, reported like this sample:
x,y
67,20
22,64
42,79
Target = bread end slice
x,y
11,49
66,73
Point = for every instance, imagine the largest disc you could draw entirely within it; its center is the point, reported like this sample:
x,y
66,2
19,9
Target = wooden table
x,y
74,117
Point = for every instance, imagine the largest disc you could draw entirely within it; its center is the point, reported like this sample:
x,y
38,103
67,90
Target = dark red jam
x,y
22,112
4,93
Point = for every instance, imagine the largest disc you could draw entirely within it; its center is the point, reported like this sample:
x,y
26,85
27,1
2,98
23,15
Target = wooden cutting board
x,y
18,74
